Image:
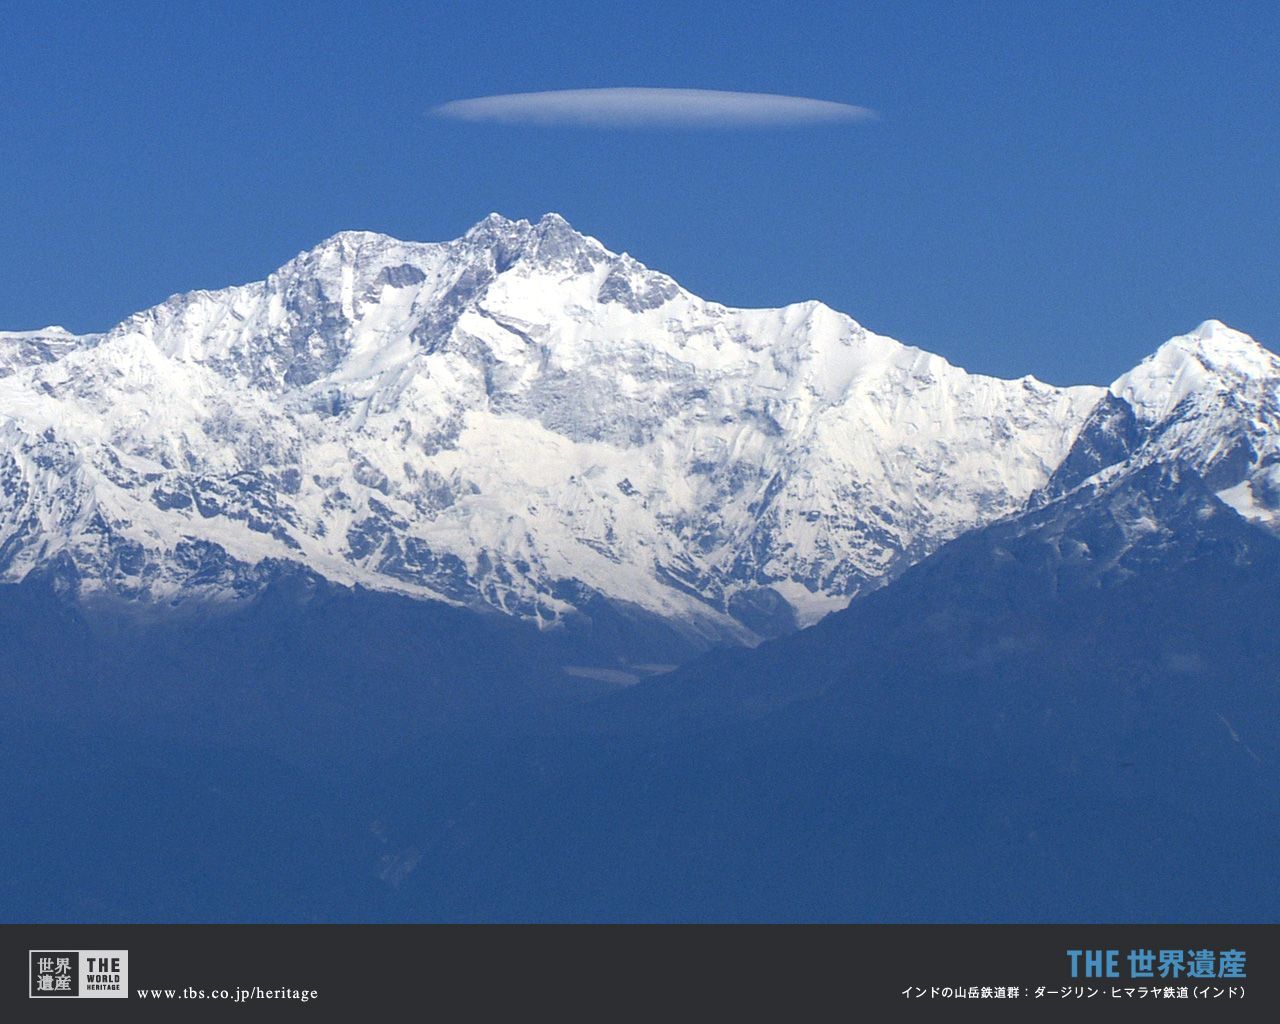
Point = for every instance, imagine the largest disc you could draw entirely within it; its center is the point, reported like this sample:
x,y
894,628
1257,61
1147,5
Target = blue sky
x,y
1050,188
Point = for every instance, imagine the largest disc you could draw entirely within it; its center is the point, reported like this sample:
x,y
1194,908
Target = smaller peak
x,y
346,249
497,231
553,226
551,239
1216,346
355,238
1214,334
351,242
54,331
1212,358
496,221
1210,328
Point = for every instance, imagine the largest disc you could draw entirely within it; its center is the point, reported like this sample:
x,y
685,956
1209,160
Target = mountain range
x,y
519,420
503,578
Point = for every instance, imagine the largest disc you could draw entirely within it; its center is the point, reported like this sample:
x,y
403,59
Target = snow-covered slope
x,y
520,419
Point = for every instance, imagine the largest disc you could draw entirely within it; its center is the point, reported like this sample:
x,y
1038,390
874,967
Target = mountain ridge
x,y
520,419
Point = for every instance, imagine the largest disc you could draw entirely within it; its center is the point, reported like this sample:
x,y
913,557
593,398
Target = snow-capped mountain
x,y
1208,402
1079,679
524,420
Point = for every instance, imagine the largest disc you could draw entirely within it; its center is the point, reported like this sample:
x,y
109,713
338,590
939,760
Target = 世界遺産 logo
x,y
80,973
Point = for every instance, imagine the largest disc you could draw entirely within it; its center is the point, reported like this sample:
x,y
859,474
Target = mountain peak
x,y
1212,358
1217,348
1213,327
551,240
354,241
497,224
1218,343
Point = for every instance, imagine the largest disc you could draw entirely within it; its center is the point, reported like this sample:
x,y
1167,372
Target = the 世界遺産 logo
x,y
80,973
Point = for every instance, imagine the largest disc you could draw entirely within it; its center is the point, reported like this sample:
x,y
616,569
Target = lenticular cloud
x,y
652,108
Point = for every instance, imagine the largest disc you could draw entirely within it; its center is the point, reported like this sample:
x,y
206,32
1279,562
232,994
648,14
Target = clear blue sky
x,y
1053,188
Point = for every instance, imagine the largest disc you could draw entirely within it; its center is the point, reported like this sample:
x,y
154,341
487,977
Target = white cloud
x,y
652,108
